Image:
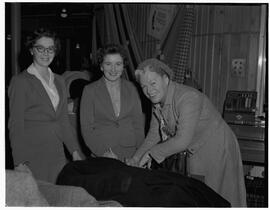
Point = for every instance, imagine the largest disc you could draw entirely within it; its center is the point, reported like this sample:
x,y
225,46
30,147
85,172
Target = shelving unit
x,y
239,113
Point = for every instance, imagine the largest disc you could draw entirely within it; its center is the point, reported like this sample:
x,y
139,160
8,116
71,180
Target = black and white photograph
x,y
135,104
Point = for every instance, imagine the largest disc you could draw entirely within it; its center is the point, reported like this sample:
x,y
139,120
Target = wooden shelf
x,y
251,142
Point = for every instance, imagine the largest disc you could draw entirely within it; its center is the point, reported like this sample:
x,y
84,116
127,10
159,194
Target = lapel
x,y
124,98
106,101
169,98
38,87
61,94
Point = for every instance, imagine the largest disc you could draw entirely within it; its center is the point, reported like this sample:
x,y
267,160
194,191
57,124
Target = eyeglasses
x,y
42,49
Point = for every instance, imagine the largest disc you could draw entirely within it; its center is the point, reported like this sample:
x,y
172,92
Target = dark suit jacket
x,y
101,129
36,130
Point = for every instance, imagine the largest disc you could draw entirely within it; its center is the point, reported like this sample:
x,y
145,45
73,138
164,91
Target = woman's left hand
x,y
146,160
76,156
110,154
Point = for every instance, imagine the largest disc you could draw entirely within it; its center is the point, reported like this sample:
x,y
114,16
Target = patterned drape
x,y
180,59
125,24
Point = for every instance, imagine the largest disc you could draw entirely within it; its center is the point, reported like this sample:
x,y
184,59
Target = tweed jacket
x,y
199,128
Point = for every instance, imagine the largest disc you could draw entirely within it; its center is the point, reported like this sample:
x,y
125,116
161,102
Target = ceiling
x,y
75,29
52,9
78,20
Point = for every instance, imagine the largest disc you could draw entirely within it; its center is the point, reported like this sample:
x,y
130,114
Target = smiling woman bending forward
x,y
184,119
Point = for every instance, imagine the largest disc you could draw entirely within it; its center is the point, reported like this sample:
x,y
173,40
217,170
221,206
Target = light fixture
x,y
9,37
77,46
64,13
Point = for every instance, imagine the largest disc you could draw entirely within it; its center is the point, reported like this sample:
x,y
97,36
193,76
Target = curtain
x,y
118,30
123,24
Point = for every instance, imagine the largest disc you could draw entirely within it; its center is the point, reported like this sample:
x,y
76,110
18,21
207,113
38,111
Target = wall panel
x,y
252,63
223,33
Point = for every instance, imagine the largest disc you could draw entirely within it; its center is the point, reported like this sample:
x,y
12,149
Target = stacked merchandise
x,y
256,191
240,114
240,107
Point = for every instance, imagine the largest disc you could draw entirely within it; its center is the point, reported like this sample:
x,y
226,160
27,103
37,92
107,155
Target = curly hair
x,y
43,32
154,65
112,49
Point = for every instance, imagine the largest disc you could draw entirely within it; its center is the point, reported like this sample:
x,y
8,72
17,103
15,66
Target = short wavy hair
x,y
112,49
154,65
43,32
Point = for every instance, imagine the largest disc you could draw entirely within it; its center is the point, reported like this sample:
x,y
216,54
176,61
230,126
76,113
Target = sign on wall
x,y
160,20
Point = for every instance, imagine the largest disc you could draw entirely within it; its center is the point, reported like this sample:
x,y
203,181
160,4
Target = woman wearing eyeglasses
x,y
38,122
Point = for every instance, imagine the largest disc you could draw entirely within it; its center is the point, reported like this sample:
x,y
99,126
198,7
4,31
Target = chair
x,y
70,76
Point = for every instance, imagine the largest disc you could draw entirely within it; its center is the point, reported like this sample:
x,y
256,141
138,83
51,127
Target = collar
x,y
103,79
32,70
170,93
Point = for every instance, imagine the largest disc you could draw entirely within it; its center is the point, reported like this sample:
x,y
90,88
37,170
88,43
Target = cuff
x,y
155,155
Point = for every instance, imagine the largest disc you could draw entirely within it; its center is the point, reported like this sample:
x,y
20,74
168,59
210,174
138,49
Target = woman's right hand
x,y
23,167
146,160
76,156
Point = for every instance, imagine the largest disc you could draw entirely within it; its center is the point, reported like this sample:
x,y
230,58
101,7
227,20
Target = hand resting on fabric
x,y
110,154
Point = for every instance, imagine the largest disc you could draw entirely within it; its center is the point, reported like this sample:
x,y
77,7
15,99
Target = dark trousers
x,y
110,179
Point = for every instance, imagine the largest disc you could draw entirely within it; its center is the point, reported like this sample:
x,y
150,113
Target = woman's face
x,y
43,51
154,86
112,67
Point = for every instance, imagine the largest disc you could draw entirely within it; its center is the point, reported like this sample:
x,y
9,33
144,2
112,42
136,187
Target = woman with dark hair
x,y
38,122
110,114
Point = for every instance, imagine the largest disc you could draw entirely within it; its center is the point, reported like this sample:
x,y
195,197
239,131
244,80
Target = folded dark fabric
x,y
107,178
